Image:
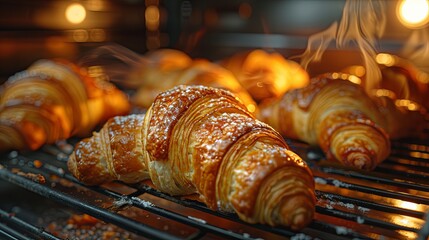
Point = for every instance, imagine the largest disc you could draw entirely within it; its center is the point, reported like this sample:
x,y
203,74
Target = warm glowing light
x,y
413,13
75,13
358,71
152,18
407,221
354,79
423,77
251,107
410,105
409,205
345,76
385,59
335,75
419,155
385,93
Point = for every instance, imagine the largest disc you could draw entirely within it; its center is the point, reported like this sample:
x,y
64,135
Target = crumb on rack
x,y
84,226
39,178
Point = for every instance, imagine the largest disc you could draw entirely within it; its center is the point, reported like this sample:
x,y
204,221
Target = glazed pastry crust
x,y
265,75
202,140
54,100
163,69
336,115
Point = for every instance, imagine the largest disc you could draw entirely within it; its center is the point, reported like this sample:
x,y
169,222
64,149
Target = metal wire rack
x,y
388,203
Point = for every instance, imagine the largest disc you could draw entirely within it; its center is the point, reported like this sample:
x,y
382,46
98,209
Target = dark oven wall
x,y
30,30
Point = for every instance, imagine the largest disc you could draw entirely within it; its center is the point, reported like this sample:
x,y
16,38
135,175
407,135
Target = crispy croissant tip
x,y
300,220
360,161
301,217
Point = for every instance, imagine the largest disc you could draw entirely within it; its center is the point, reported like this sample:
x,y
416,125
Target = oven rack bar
x,y
340,215
128,224
10,220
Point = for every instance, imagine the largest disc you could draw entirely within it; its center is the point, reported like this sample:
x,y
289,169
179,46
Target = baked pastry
x,y
159,70
156,77
153,65
196,139
403,118
336,115
265,75
398,75
54,100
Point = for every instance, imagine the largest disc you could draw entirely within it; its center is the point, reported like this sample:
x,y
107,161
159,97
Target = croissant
x,y
159,70
266,75
336,115
156,77
400,95
400,76
404,118
54,100
153,64
203,140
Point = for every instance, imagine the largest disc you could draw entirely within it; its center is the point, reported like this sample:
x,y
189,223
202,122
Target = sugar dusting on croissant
x,y
203,140
336,115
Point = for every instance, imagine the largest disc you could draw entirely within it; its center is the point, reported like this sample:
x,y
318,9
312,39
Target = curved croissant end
x,y
337,116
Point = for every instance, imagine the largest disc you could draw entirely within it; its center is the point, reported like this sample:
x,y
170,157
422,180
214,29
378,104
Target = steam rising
x,y
117,61
362,23
416,48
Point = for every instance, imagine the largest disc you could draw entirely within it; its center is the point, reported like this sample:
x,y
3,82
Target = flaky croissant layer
x,y
265,74
337,116
203,140
54,100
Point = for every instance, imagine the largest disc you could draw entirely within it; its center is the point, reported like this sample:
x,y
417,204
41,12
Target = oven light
x,y
75,13
385,59
413,13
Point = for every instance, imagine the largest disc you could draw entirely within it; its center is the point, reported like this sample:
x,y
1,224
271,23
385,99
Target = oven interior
x,y
40,199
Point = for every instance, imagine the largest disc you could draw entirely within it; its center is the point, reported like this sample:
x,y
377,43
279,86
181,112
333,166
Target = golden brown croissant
x,y
156,77
53,100
403,118
202,140
398,75
161,69
266,75
153,65
336,115
400,95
